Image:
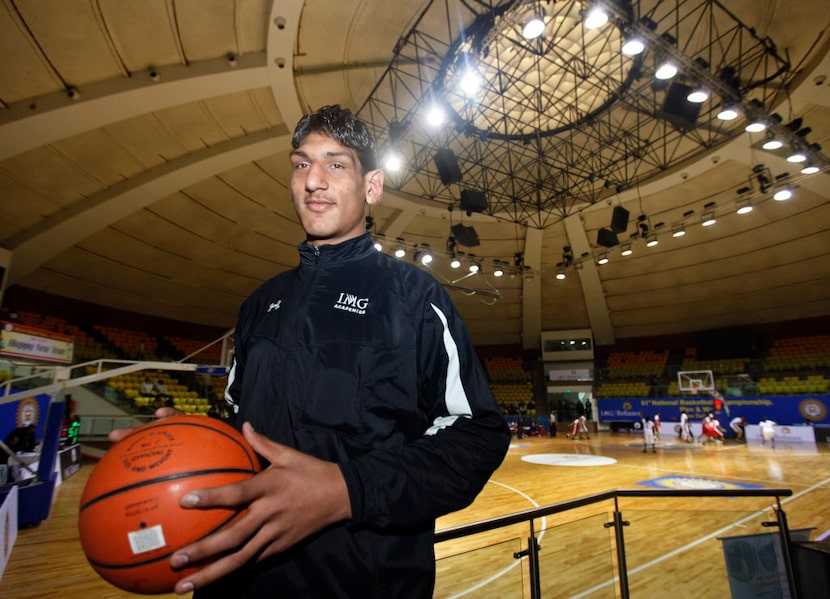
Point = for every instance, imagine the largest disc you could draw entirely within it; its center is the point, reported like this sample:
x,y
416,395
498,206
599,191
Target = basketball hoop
x,y
695,381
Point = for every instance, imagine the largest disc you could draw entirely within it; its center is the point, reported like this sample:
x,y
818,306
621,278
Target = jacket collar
x,y
350,249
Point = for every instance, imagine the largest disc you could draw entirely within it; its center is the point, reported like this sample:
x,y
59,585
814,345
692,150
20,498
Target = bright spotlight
x,y
665,71
470,83
392,163
534,27
596,18
436,116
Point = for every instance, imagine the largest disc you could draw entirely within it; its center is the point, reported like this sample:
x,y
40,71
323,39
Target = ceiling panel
x,y
144,33
192,250
73,39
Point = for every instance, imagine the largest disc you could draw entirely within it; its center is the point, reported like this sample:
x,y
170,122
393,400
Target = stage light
x,y
810,169
534,27
755,127
435,116
652,241
470,83
392,162
782,194
667,70
426,258
772,144
729,113
400,249
744,205
633,46
678,231
595,18
625,249
707,219
698,95
603,258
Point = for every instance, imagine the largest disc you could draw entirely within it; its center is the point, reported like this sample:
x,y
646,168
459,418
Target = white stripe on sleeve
x,y
455,398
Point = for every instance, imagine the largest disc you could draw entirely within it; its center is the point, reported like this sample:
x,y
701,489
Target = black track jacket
x,y
361,359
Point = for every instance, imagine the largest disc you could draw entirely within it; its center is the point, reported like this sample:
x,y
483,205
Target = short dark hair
x,y
343,126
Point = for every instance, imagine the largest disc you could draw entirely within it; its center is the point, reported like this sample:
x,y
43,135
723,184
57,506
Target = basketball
x,y
130,522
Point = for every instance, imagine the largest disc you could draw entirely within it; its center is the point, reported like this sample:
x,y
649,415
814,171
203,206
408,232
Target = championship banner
x,y
20,341
788,409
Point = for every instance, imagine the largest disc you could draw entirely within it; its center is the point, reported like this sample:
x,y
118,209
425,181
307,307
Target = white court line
x,y
703,539
515,564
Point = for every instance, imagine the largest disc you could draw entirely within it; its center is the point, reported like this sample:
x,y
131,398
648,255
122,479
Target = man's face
x,y
329,191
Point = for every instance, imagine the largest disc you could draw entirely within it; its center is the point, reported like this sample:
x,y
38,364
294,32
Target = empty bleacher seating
x,y
133,344
799,353
635,365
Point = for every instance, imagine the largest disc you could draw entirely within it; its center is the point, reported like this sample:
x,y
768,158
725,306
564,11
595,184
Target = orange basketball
x,y
130,521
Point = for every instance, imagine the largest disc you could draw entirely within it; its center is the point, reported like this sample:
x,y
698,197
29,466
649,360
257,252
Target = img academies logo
x,y
351,303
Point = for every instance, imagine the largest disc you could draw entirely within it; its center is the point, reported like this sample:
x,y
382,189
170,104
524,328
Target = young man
x,y
648,434
368,402
738,426
767,429
707,428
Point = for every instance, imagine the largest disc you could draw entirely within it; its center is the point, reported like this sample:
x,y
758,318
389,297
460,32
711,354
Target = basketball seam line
x,y
169,477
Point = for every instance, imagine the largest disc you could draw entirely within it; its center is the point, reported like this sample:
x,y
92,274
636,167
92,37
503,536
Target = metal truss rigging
x,y
565,120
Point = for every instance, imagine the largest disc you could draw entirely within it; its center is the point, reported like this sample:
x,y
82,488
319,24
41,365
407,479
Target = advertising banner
x,y
19,341
785,410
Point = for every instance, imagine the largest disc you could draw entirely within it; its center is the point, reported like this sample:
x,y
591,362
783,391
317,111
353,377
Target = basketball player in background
x,y
648,434
368,401
738,426
685,432
767,429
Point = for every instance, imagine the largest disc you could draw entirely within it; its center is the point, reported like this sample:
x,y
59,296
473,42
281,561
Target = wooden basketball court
x,y
47,560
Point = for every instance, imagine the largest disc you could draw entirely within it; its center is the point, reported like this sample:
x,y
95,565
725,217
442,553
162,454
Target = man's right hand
x,y
119,433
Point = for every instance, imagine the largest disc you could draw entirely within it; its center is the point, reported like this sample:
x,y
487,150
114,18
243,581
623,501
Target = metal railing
x,y
591,547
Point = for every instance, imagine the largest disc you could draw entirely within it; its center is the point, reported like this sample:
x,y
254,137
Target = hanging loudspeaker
x,y
473,200
619,219
677,109
465,235
447,166
607,238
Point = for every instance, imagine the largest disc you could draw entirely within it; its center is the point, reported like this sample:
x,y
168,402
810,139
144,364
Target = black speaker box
x,y
473,200
447,166
677,109
619,220
607,238
465,235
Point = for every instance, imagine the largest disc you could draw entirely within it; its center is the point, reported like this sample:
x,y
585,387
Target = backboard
x,y
694,381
